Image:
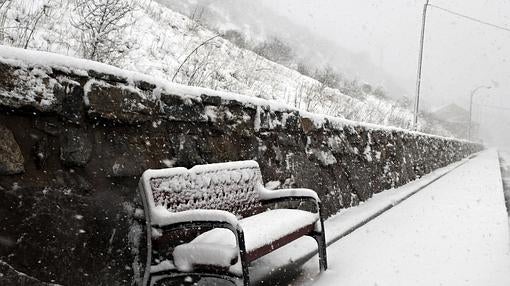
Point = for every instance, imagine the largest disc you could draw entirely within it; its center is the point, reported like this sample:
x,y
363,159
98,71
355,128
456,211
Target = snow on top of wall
x,y
40,59
29,58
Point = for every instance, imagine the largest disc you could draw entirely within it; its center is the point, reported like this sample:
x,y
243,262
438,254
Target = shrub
x,y
101,24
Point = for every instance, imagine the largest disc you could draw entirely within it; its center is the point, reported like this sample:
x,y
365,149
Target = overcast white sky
x,y
459,54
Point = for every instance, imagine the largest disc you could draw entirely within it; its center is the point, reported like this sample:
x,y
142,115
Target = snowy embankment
x,y
158,41
453,232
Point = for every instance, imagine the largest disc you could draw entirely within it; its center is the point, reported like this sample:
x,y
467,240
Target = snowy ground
x,y
453,232
448,228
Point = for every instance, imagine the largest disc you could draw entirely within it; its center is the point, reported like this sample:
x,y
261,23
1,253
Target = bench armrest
x,y
268,195
200,217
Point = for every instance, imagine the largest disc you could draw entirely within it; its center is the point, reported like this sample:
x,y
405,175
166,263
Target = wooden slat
x,y
259,252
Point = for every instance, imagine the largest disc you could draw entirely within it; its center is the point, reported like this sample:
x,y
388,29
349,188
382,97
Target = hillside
x,y
155,40
310,47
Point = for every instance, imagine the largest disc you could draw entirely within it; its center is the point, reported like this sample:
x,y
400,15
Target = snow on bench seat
x,y
218,247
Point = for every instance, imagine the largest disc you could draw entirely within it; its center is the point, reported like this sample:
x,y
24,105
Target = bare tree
x,y
3,2
277,51
30,29
4,9
197,18
101,24
304,69
20,19
237,38
315,96
328,77
379,91
352,88
310,95
198,70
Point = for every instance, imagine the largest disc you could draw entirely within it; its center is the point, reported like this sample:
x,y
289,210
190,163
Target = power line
x,y
471,18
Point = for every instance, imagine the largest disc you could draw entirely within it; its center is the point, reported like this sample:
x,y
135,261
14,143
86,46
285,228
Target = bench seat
x,y
263,232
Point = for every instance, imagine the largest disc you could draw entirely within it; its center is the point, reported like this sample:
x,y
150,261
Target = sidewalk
x,y
454,232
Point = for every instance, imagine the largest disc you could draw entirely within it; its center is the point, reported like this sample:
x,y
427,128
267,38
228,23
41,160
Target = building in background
x,y
456,120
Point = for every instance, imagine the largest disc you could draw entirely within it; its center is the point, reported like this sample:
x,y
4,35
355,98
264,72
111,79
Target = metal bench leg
x,y
244,265
321,249
246,275
321,243
242,256
323,260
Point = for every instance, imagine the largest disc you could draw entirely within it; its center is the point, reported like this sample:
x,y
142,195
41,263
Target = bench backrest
x,y
231,186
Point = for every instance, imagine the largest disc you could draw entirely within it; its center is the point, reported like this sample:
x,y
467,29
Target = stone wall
x,y
74,143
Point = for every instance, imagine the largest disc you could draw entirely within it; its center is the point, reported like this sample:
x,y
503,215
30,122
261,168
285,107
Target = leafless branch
x,y
190,54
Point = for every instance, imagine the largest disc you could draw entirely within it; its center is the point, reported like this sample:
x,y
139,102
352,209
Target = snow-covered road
x,y
454,232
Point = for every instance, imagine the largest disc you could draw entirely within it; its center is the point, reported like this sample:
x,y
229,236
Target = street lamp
x,y
471,106
420,61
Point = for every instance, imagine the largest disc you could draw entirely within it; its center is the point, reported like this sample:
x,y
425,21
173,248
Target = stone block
x,y
11,158
76,147
121,104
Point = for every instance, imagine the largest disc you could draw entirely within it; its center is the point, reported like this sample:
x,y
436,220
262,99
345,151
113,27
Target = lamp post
x,y
420,61
473,93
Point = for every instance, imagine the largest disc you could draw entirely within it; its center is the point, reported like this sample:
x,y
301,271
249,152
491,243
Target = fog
x,y
378,41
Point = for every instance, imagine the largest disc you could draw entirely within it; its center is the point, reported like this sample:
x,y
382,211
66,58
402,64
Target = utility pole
x,y
420,61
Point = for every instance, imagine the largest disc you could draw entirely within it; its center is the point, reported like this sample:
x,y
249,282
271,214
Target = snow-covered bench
x,y
228,202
